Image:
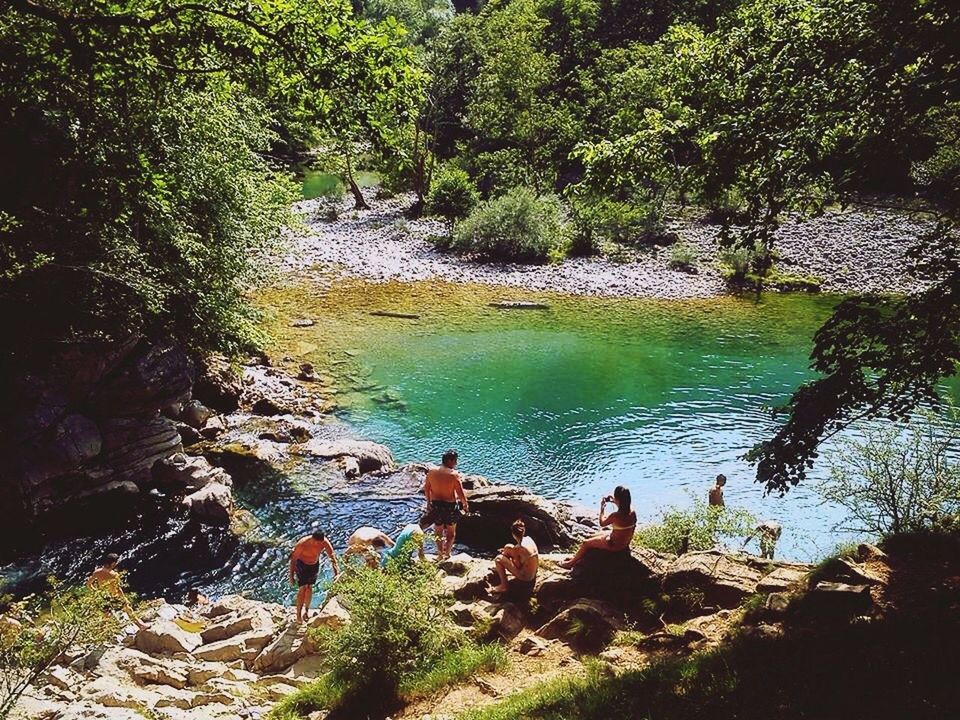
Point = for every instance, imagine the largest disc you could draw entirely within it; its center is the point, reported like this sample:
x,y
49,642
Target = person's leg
x,y
499,565
438,529
300,595
307,597
451,533
597,542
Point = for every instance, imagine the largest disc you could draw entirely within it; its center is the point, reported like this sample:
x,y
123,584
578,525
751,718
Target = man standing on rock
x,y
446,502
305,567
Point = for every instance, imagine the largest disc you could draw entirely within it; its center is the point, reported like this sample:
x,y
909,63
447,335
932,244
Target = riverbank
x,y
857,250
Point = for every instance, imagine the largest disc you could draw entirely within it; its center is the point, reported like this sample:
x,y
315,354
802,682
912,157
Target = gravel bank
x,y
852,251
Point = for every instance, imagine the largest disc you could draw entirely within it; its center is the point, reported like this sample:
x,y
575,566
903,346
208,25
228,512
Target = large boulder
x,y
466,577
181,472
370,456
150,671
782,579
218,384
725,580
153,377
285,649
226,627
212,504
166,638
245,646
494,508
618,577
586,624
835,601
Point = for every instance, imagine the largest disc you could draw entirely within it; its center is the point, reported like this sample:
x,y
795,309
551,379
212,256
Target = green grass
x,y
454,667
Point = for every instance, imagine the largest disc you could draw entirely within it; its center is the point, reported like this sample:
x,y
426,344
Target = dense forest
x,y
147,150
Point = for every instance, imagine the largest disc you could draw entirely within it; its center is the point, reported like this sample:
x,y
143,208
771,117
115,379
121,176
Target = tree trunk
x,y
359,203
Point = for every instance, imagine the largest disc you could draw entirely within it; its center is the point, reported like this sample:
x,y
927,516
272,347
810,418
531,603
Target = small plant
x,y
519,225
896,479
453,195
683,257
701,527
36,631
737,262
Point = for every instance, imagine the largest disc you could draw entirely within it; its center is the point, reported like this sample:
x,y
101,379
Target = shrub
x,y
701,527
519,225
737,262
36,631
682,256
399,627
613,221
498,171
896,479
452,195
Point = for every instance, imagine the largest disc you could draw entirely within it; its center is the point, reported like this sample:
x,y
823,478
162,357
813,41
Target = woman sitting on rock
x,y
622,523
522,560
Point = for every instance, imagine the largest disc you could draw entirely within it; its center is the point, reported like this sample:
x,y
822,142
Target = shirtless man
x,y
367,542
106,578
305,567
443,490
716,492
522,559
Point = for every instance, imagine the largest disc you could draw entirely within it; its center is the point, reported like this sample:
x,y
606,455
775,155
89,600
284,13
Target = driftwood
x,y
390,314
518,305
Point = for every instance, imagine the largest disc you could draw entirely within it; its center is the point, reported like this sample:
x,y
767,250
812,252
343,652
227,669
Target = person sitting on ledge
x,y
622,522
520,560
367,542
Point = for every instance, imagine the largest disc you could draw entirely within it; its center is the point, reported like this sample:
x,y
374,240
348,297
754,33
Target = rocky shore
x,y
858,250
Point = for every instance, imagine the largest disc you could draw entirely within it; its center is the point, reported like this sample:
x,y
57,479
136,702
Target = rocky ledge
x,y
249,654
858,250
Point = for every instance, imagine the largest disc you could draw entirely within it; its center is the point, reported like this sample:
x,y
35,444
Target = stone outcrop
x,y
586,624
369,456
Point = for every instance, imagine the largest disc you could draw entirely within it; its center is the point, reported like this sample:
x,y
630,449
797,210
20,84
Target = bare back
x,y
443,484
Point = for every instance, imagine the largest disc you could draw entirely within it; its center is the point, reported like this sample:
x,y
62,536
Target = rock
x,y
226,627
268,406
230,604
866,552
351,466
181,472
188,435
494,508
466,577
218,385
303,323
60,677
843,570
781,579
211,504
332,615
195,414
147,671
533,646
370,456
165,638
213,428
151,377
724,580
288,647
832,600
585,624
777,604
507,619
245,646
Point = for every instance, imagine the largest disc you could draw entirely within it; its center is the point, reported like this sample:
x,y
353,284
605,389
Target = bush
x,y
683,256
36,631
399,627
737,262
499,171
701,527
606,221
895,479
519,226
452,195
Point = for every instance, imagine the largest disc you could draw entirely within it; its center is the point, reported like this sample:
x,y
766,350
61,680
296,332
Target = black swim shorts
x,y
306,574
442,512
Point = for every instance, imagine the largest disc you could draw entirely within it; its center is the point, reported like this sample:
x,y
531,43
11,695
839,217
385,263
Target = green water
x,y
317,183
571,401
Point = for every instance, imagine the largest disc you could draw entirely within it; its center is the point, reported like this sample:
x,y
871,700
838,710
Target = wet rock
x,y
370,456
166,638
195,414
181,472
211,504
495,507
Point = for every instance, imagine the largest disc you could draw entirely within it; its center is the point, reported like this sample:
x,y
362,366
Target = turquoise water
x,y
658,396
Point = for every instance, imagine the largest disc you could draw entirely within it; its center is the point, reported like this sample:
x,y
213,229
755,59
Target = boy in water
x,y
305,567
446,502
106,578
716,492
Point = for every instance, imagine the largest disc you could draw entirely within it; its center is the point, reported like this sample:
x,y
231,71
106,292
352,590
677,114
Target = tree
x,y
36,631
895,480
452,195
135,140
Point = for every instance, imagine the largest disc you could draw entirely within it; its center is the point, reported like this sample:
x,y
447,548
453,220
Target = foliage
x,y
36,631
894,480
453,666
399,625
701,527
452,195
603,220
519,225
683,256
422,19
135,142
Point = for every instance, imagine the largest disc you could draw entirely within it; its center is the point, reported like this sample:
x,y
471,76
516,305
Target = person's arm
x,y
328,549
387,540
605,520
427,490
461,494
294,556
